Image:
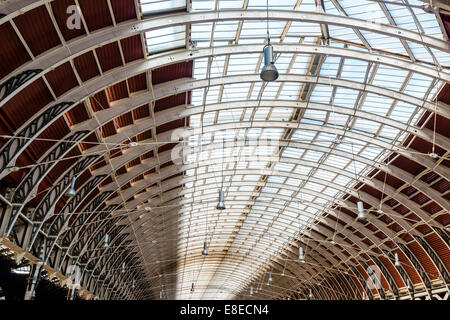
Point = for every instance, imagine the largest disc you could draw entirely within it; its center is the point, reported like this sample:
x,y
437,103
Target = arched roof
x,y
155,106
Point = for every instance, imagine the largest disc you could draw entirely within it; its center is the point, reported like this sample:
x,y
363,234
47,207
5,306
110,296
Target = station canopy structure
x,y
150,108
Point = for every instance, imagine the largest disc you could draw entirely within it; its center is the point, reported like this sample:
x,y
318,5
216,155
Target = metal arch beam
x,y
405,177
77,47
288,159
168,173
175,87
80,93
347,250
366,162
140,185
437,198
401,198
179,111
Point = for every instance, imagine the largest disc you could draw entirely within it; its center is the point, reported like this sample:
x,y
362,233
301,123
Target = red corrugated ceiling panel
x,y
86,66
124,120
408,165
123,10
96,13
171,101
144,135
62,165
77,114
44,142
23,106
138,83
59,9
171,125
12,53
62,79
443,219
442,185
441,249
172,72
109,56
37,29
118,91
141,112
108,129
411,271
132,48
424,260
89,142
99,101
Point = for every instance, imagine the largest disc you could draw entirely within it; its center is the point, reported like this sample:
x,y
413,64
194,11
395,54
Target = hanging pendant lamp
x,y
71,192
396,260
205,249
221,203
361,213
106,240
301,256
269,72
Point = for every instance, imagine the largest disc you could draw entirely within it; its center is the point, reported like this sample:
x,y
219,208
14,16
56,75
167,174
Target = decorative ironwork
x,y
12,149
417,265
442,269
45,208
60,222
387,275
335,289
93,242
352,283
443,234
81,219
39,171
15,82
379,288
363,282
400,269
343,286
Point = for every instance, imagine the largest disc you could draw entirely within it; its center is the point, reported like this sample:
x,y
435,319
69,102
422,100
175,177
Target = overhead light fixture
x,y
270,276
251,290
396,260
71,192
221,203
408,284
361,213
301,256
310,294
148,209
106,240
205,249
123,267
160,295
269,72
133,284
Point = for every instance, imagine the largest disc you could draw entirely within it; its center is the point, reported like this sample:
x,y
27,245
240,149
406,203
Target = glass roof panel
x,y
273,193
